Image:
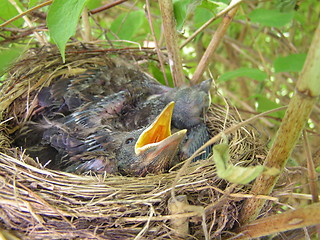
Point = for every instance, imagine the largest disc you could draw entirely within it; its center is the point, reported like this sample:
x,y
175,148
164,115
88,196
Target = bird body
x,y
94,123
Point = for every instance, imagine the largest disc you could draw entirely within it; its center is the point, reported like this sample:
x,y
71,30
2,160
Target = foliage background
x,y
255,67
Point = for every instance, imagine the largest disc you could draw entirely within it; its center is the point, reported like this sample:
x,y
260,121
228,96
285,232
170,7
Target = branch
x,y
25,13
160,57
216,39
299,218
169,26
297,114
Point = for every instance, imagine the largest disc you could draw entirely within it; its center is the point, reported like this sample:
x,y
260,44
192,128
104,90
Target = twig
x,y
204,26
245,105
216,39
107,6
311,169
289,220
169,26
156,43
24,13
29,23
312,175
87,37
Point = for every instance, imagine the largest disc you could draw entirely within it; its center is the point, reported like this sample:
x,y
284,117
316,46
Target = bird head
x,y
191,104
151,149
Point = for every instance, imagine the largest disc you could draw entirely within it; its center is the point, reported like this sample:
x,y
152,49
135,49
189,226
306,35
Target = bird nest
x,y
40,203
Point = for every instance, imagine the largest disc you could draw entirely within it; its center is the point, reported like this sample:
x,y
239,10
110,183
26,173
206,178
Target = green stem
x,y
297,114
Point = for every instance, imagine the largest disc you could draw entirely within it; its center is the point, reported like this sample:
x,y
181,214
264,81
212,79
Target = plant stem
x,y
170,33
25,13
160,57
216,39
297,114
87,37
299,218
204,26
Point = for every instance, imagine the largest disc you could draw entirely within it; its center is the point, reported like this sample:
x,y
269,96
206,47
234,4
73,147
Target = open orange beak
x,y
156,145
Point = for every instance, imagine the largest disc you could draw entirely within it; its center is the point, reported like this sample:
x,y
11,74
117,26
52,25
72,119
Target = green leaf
x,y
244,72
8,56
182,9
271,17
201,16
33,3
157,74
231,173
7,11
92,4
126,25
62,20
214,6
290,63
265,104
286,5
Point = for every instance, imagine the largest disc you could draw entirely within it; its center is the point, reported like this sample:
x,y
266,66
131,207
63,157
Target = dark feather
x,y
91,122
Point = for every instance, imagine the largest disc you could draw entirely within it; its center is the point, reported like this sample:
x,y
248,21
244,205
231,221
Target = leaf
x,y
8,56
290,63
126,25
243,72
201,16
33,3
92,4
7,11
271,17
157,74
214,6
265,104
286,5
231,173
182,9
62,20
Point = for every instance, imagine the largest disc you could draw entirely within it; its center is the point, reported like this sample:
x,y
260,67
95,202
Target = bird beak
x,y
158,131
156,145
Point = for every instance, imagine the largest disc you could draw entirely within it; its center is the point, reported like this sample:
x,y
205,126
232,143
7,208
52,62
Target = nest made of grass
x,y
39,203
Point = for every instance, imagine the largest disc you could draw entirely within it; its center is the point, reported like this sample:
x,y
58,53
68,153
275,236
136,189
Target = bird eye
x,y
129,140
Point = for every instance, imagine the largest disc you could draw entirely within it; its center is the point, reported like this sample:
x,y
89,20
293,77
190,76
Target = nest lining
x,y
40,203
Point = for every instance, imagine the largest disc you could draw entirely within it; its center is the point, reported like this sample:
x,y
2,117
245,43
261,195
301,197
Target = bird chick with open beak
x,y
82,121
147,150
154,149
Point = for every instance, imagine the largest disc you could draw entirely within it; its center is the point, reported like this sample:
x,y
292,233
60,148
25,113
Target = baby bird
x,y
117,120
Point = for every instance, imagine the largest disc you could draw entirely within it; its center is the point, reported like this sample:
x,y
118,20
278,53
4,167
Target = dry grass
x,y
40,203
